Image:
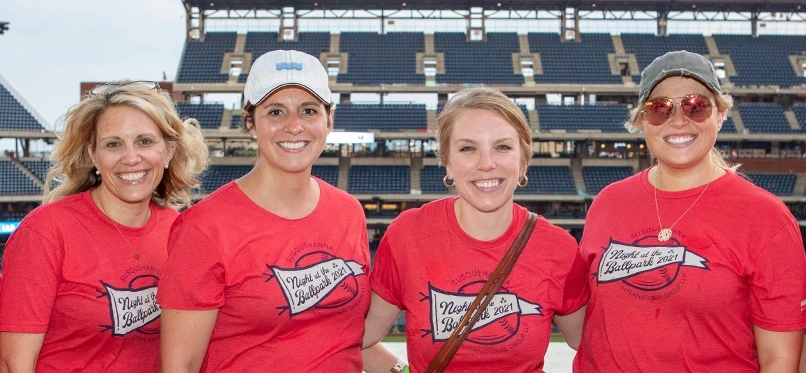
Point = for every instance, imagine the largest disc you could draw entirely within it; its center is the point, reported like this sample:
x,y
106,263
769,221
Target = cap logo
x,y
289,66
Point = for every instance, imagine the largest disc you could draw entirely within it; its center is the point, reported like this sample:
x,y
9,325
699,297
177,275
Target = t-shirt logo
x,y
133,308
499,322
318,279
646,267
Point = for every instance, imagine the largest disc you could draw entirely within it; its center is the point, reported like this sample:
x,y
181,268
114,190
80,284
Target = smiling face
x,y
291,127
130,153
484,160
681,143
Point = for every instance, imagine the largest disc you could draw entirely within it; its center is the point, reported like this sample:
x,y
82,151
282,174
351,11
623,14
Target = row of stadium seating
x,y
386,179
757,117
391,58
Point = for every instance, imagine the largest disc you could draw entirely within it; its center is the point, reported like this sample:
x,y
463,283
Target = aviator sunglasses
x,y
694,107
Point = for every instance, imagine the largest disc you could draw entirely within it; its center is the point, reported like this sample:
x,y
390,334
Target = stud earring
x,y
166,166
97,172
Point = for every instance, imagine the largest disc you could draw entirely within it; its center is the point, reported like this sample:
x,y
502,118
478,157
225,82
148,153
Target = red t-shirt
x,y
688,304
68,273
429,267
291,294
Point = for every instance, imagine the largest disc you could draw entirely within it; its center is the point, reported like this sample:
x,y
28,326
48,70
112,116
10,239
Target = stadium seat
x,y
598,177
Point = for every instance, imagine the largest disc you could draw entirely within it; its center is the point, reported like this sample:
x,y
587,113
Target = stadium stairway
x,y
27,172
792,119
800,185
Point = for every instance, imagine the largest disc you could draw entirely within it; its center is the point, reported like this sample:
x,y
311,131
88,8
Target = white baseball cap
x,y
281,68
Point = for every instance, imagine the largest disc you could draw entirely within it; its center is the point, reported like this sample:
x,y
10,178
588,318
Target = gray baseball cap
x,y
679,63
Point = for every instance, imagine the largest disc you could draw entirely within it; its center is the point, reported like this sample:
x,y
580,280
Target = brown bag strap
x,y
486,294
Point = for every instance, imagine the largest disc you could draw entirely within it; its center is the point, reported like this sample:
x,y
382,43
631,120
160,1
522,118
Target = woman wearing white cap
x,y
701,271
261,271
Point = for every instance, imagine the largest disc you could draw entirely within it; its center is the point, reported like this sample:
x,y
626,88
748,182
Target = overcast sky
x,y
53,45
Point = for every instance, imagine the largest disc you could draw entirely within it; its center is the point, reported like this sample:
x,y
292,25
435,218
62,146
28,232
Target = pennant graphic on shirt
x,y
447,310
329,283
621,262
132,309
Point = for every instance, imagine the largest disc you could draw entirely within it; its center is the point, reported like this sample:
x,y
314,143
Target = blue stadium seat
x,y
328,174
765,118
258,43
13,115
208,115
763,60
364,179
431,180
38,168
218,175
16,183
382,117
382,59
235,123
478,62
778,184
800,114
584,62
549,180
647,47
581,118
598,177
201,60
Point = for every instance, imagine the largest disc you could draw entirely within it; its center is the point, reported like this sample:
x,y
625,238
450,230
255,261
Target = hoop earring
x,y
525,182
445,182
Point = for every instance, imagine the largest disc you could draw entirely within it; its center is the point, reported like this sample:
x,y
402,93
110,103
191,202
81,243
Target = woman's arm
x,y
570,326
19,351
380,318
184,337
778,352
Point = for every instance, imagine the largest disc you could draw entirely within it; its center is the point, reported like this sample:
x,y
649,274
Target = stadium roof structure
x,y
793,6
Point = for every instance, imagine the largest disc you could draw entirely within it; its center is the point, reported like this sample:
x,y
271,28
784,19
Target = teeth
x,y
679,139
487,184
133,177
293,145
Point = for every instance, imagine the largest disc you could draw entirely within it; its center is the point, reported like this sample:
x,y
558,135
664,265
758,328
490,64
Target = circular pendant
x,y
665,234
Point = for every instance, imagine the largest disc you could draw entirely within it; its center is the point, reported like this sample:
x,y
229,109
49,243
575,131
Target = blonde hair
x,y
73,170
483,98
724,102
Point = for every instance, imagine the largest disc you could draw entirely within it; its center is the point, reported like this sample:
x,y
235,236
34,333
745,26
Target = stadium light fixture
x,y
3,27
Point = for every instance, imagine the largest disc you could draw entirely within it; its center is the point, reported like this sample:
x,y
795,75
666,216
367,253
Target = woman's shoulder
x,y
216,202
57,210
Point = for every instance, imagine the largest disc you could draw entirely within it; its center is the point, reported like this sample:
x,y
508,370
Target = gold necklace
x,y
115,224
666,233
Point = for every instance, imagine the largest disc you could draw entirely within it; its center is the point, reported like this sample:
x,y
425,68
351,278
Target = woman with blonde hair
x,y
80,273
476,254
693,268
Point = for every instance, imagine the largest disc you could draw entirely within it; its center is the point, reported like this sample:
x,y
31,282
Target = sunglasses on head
x,y
109,87
694,107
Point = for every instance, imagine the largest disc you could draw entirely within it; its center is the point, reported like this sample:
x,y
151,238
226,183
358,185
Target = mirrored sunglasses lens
x,y
658,111
696,108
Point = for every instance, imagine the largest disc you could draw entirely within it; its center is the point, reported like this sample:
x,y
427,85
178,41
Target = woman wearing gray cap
x,y
701,271
261,272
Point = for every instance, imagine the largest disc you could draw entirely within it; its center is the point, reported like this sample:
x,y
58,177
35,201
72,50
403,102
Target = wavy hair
x,y
72,169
